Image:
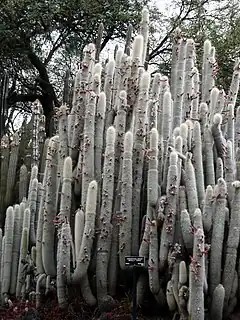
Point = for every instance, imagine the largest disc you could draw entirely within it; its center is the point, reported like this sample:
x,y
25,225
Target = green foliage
x,y
41,39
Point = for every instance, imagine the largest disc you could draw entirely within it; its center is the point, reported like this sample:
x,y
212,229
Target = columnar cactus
x,y
35,144
88,146
198,162
197,269
167,235
138,157
22,259
8,250
133,79
66,193
63,263
18,221
33,208
78,112
232,245
23,182
178,97
188,83
125,221
144,30
78,231
98,138
84,254
104,240
217,236
12,169
154,162
5,151
49,213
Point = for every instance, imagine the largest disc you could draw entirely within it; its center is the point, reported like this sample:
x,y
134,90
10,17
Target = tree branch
x,y
43,78
37,63
107,38
177,21
56,45
28,97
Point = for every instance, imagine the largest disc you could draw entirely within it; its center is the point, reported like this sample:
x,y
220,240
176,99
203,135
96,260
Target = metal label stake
x,y
135,262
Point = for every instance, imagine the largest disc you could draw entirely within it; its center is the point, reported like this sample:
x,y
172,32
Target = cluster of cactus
x,y
137,167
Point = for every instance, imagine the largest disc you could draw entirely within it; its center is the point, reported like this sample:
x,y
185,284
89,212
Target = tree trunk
x,y
48,110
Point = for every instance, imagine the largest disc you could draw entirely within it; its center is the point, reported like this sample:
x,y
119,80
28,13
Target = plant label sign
x,y
134,261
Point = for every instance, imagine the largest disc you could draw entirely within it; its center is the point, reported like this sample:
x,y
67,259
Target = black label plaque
x,y
134,261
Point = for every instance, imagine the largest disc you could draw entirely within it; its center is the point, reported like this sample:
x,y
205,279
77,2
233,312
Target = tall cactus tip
x,y
137,46
217,119
145,14
67,168
93,185
173,158
236,184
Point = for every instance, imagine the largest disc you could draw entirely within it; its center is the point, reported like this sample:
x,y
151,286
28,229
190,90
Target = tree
x,y
216,20
41,39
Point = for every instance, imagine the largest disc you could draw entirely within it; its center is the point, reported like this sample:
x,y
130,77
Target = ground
x,y
77,310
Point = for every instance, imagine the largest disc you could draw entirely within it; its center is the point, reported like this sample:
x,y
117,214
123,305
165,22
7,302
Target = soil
x,y
78,310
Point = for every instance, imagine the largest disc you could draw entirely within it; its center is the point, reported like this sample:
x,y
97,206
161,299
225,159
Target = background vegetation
x,y
41,41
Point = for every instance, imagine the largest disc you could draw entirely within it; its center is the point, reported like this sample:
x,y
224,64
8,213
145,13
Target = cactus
x,y
84,254
17,231
49,213
63,263
167,235
232,245
217,236
88,147
104,240
208,158
175,53
208,209
188,83
22,258
8,250
198,162
178,97
139,160
191,186
197,272
12,169
33,209
186,229
217,302
152,195
194,113
133,78
39,233
138,157
153,267
5,151
63,141
144,30
125,224
116,80
78,231
108,90
23,182
35,140
65,205
98,138
79,110
41,278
